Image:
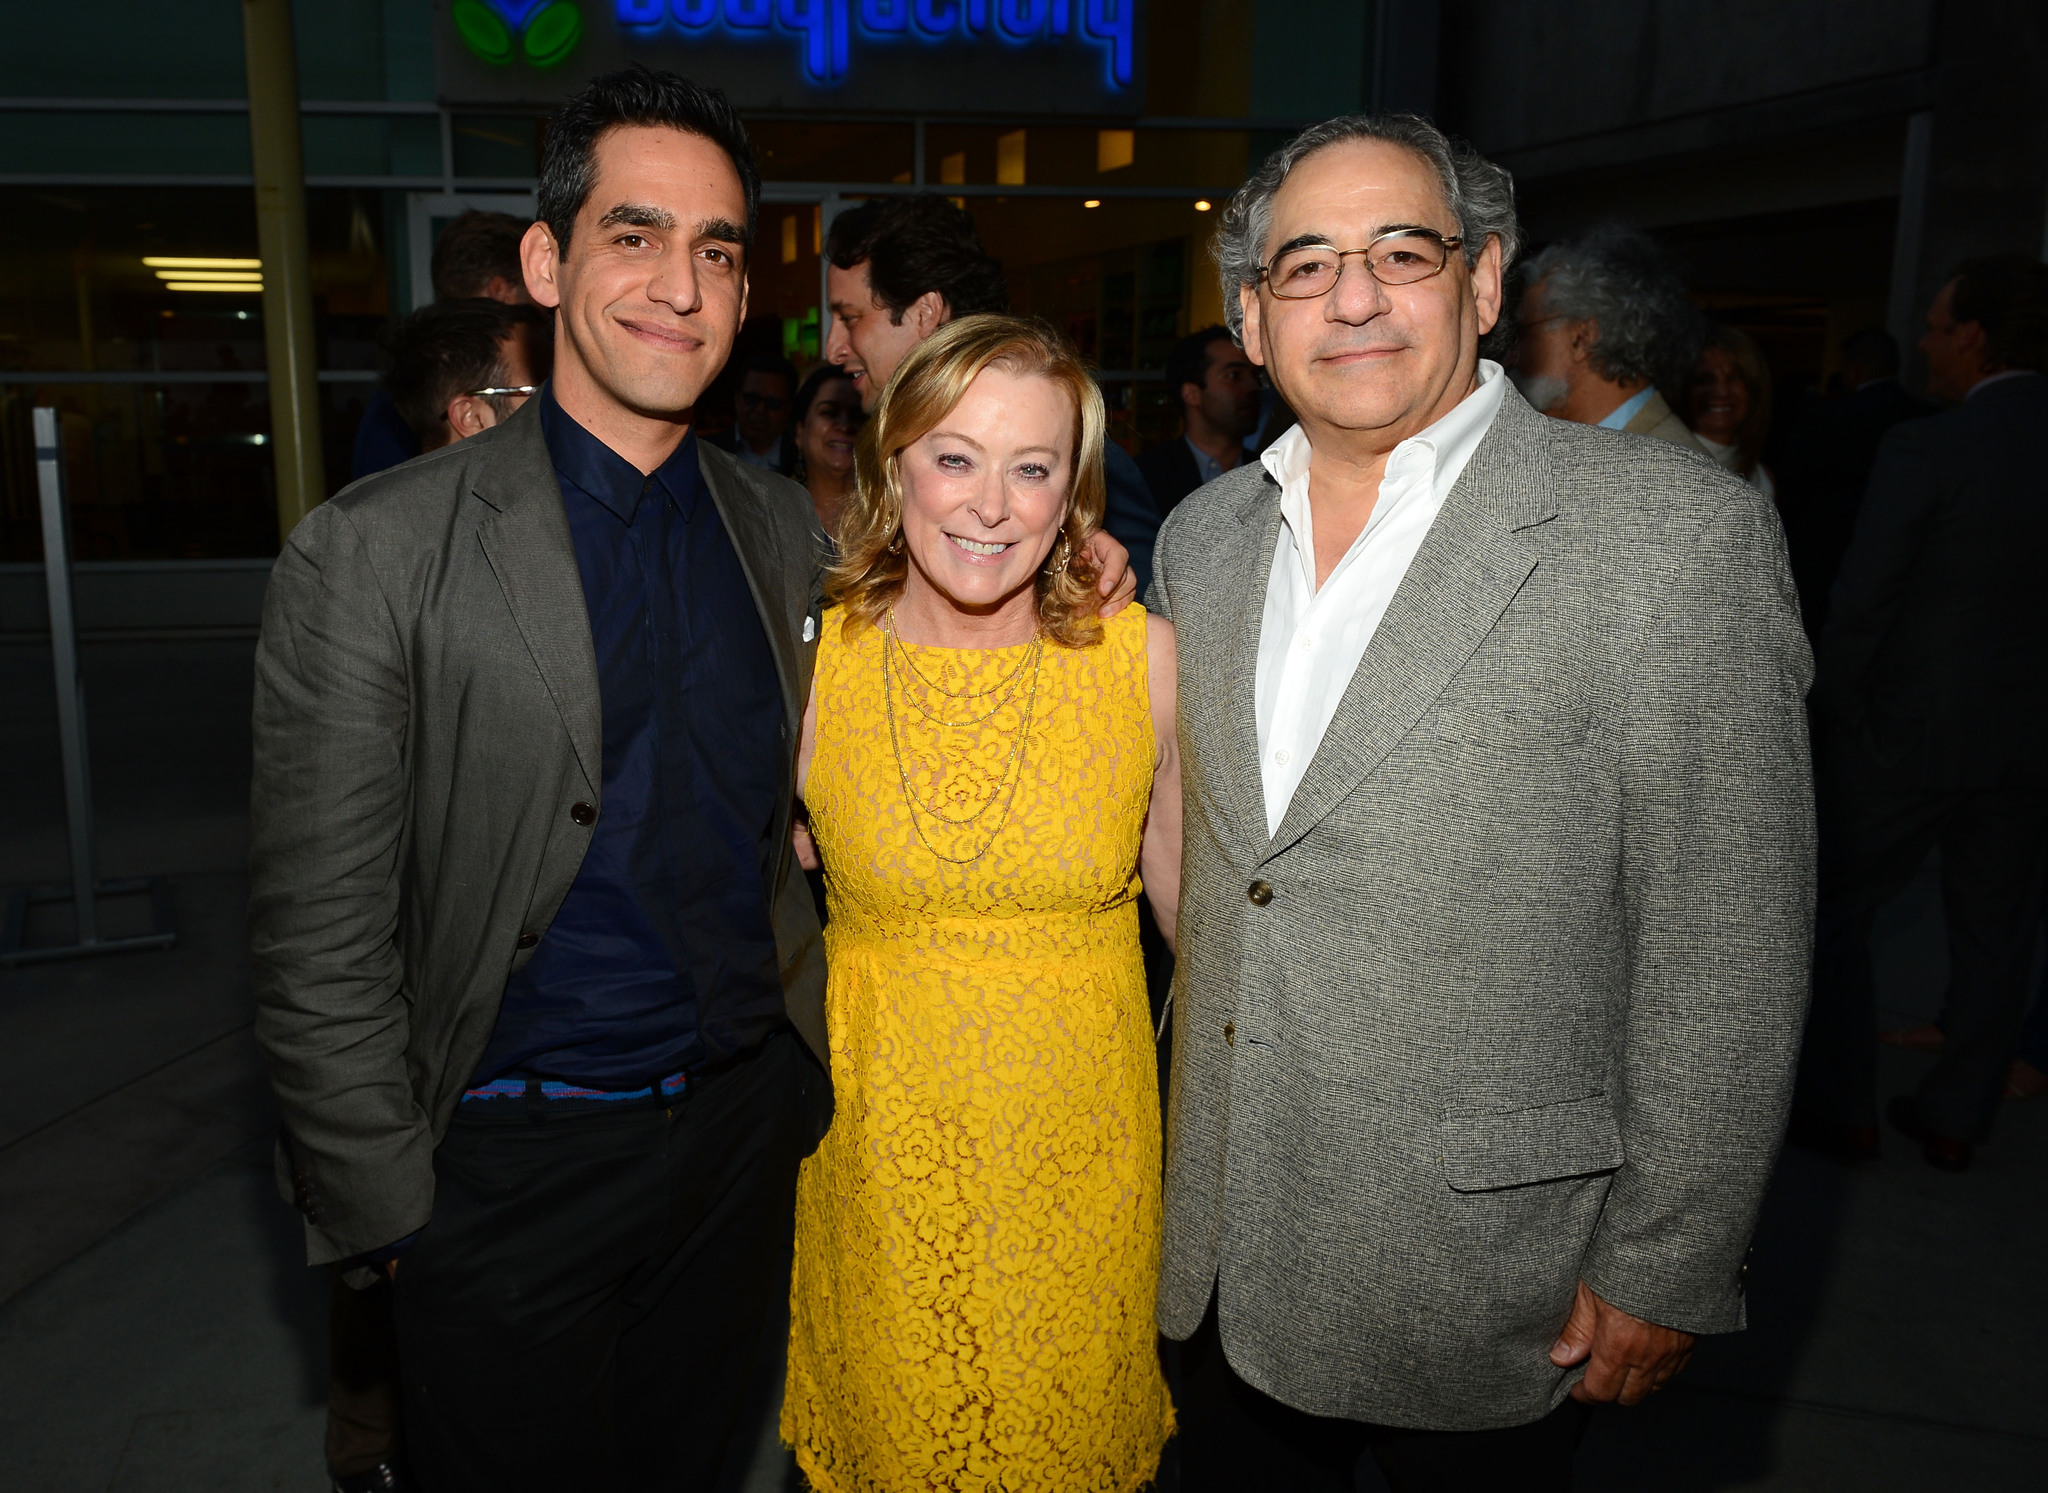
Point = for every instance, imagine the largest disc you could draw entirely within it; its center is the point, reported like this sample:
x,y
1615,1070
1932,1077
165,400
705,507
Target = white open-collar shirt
x,y
1310,641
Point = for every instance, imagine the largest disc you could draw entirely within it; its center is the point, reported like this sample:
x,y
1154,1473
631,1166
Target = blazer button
x,y
528,940
583,813
1230,1033
1260,894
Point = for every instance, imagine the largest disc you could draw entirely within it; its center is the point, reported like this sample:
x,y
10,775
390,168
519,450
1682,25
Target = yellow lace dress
x,y
978,1237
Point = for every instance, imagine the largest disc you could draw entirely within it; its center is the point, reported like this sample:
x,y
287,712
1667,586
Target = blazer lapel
x,y
525,536
1259,531
1470,565
761,561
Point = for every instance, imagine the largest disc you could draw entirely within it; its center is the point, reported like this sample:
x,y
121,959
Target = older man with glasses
x,y
1498,878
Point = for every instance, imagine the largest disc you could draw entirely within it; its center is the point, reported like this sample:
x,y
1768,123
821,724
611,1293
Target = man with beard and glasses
x,y
1605,321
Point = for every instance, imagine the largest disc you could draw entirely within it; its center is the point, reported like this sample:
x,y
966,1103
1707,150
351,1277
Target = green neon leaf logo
x,y
545,32
553,34
482,31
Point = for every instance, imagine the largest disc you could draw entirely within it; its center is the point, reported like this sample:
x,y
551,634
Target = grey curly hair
x,y
1622,279
1480,195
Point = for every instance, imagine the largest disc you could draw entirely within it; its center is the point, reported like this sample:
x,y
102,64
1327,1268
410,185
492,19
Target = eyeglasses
x,y
527,389
1399,258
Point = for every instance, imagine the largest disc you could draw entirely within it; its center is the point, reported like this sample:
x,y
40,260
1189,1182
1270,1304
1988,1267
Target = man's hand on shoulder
x,y
1627,1359
1113,562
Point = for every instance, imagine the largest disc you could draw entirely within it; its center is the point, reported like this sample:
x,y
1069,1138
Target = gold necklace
x,y
1005,691
1013,770
897,638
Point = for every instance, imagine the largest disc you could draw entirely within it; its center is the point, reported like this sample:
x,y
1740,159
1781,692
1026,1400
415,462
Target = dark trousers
x,y
1874,835
1235,1439
362,1380
585,1307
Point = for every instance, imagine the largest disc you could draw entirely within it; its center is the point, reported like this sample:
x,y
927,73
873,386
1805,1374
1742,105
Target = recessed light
x,y
1093,202
1202,206
173,262
240,287
237,277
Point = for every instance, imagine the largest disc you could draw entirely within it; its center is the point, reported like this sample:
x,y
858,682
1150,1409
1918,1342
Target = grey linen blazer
x,y
426,721
1513,998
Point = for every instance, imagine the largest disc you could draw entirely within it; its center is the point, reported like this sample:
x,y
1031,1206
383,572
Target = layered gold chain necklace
x,y
1003,693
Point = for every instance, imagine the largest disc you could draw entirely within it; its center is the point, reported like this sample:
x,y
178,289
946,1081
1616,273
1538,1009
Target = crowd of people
x,y
1457,763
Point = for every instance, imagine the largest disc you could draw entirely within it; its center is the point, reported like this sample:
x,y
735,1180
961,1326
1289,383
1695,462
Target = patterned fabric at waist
x,y
1095,937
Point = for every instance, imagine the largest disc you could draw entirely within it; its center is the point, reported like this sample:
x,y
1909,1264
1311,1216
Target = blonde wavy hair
x,y
872,564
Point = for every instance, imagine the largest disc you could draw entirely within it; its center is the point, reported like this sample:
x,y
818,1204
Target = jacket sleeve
x,y
1903,490
1131,516
328,807
1717,861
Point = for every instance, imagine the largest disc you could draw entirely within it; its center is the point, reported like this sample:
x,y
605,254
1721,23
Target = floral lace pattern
x,y
978,1236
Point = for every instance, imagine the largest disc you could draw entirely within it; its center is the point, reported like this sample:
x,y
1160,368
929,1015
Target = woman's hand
x,y
800,837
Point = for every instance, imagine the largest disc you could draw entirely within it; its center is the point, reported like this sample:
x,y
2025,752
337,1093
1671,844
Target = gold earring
x,y
896,544
1062,553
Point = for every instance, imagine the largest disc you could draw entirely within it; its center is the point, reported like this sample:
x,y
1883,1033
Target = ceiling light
x,y
240,277
245,287
1202,206
164,262
1093,202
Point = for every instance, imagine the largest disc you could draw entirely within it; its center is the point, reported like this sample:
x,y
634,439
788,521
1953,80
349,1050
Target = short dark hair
x,y
914,245
771,362
1188,363
634,96
475,249
450,347
1623,279
1874,350
2006,295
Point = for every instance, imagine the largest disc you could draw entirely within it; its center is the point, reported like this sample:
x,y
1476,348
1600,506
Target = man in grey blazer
x,y
1497,896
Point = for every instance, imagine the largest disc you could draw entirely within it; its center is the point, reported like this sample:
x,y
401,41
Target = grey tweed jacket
x,y
1513,997
427,751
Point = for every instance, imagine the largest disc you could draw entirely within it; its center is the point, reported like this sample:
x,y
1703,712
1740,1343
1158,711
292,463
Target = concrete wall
x,y
126,597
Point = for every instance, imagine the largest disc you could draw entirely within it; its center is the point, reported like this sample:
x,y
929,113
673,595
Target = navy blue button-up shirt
x,y
662,956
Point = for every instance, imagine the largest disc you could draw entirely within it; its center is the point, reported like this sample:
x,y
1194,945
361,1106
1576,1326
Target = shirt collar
x,y
593,468
1439,453
1450,442
1628,409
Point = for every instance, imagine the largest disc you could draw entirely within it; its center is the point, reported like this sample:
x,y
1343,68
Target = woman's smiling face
x,y
985,491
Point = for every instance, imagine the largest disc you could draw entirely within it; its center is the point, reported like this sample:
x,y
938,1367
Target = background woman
x,y
978,1236
1728,405
823,427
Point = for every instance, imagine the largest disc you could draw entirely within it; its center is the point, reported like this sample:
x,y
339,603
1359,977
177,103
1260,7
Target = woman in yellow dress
x,y
978,1236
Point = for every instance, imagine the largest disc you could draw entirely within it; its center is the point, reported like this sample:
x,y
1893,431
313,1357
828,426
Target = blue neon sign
x,y
825,29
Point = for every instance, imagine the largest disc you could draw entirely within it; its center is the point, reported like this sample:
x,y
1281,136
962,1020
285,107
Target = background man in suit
x,y
898,269
1219,392
1604,322
529,938
1825,465
759,436
1498,871
1933,706
475,258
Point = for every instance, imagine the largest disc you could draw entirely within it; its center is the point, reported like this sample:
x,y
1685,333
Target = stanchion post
x,y
86,887
64,658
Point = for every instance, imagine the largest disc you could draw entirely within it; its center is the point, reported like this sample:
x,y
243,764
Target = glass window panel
x,y
131,144
788,150
497,145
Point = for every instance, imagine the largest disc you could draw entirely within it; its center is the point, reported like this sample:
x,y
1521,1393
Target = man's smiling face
x,y
651,288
